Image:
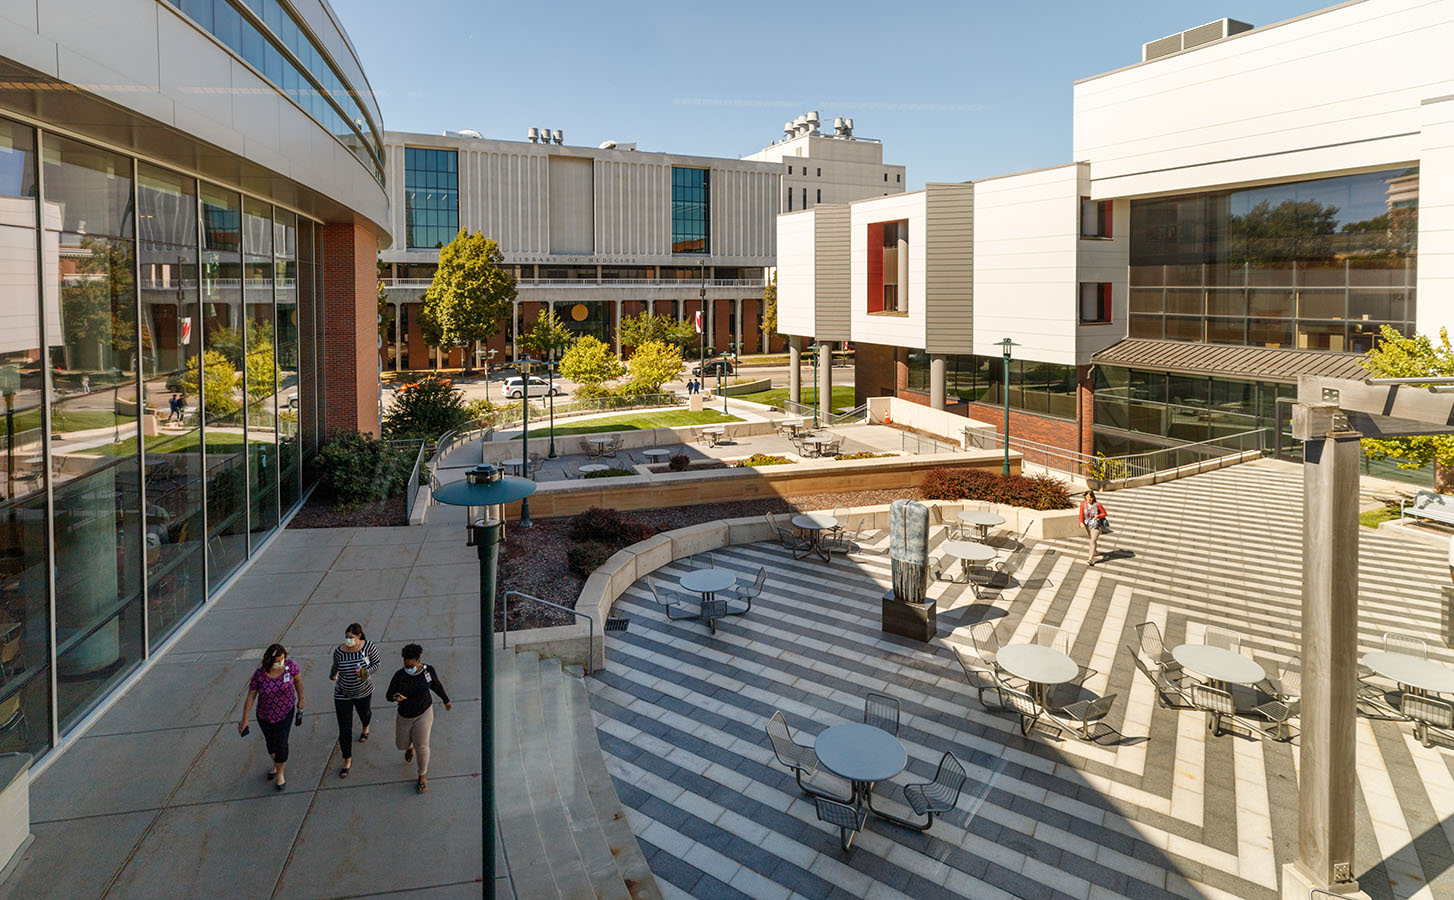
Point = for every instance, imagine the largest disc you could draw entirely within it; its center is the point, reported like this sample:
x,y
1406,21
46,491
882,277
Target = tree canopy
x,y
1397,356
471,293
769,307
589,362
642,328
549,336
653,364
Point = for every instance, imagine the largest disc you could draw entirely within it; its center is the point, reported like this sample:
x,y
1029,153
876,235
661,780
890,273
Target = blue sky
x,y
955,90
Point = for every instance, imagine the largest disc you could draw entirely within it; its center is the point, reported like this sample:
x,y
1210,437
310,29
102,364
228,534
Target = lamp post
x,y
721,371
812,350
702,327
550,393
523,364
1005,346
485,486
116,406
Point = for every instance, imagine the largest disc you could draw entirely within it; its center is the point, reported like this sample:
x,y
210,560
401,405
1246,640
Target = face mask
x,y
350,642
414,670
278,666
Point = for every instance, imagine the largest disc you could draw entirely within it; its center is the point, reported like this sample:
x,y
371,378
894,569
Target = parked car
x,y
713,365
539,387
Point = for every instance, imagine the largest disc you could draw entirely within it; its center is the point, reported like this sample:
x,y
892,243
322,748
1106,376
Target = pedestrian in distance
x,y
175,413
1093,520
353,690
277,690
410,688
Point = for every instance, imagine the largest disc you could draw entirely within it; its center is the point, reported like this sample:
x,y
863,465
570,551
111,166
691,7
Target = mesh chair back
x,y
1221,637
788,751
714,609
882,712
942,793
1428,710
839,815
1052,637
1020,702
1212,700
772,522
1290,677
986,640
1393,642
1150,637
758,582
655,592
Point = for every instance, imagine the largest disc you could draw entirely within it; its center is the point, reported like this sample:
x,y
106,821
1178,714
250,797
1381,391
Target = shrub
x,y
863,454
596,524
583,559
610,473
762,459
679,463
358,468
426,410
1032,492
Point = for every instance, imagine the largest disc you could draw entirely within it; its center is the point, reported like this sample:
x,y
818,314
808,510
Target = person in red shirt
x,y
1093,520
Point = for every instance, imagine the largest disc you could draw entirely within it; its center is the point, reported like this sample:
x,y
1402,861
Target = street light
x,y
812,350
702,328
721,370
550,393
1005,346
485,486
523,364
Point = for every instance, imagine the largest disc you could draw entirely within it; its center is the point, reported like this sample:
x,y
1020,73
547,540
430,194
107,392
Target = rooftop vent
x,y
464,133
617,145
1192,37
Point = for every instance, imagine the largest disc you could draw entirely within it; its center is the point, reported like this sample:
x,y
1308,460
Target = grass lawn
x,y
217,442
842,396
1376,517
670,418
64,419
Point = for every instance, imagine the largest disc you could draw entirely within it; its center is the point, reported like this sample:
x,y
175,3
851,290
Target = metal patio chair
x,y
845,818
882,712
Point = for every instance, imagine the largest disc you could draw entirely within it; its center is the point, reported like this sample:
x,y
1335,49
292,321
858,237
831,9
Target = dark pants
x,y
276,736
345,710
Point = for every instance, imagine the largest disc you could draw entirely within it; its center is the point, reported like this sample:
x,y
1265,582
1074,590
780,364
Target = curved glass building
x,y
191,204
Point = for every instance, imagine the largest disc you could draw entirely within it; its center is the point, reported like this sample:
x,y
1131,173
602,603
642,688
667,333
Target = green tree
x,y
769,307
471,293
653,364
548,336
220,380
98,310
1397,356
588,363
645,327
261,374
426,410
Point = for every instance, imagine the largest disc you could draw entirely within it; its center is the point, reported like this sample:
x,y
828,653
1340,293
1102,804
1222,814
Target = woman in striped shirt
x,y
353,660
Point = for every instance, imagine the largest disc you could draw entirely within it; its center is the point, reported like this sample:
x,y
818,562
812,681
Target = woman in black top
x,y
410,688
353,690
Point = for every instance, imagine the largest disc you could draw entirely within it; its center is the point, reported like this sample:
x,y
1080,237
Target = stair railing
x,y
590,633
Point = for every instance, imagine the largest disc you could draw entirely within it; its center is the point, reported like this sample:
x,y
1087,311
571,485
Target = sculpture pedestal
x,y
1296,885
917,621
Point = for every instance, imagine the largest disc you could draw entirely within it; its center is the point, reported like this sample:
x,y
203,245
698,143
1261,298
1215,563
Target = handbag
x,y
1104,525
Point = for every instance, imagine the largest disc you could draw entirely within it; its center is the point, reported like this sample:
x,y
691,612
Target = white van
x,y
514,388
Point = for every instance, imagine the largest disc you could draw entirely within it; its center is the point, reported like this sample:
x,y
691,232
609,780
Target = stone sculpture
x,y
907,610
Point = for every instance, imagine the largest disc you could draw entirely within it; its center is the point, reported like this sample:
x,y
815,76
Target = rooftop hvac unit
x,y
533,134
1192,37
559,136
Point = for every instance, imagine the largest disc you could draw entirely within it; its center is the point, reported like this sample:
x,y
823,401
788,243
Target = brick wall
x,y
874,372
349,329
1085,408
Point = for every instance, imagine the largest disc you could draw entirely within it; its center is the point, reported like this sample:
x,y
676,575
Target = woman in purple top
x,y
277,689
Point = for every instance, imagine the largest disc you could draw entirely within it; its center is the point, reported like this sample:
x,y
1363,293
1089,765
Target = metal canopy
x,y
1228,361
503,489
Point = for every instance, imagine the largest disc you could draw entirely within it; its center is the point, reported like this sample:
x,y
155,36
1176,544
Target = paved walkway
x,y
681,713
161,798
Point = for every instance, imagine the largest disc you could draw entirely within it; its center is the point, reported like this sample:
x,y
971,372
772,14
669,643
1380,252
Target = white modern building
x,y
598,233
829,166
1244,205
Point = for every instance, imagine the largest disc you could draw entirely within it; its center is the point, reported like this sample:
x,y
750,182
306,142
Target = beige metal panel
x,y
832,294
125,36
570,185
949,264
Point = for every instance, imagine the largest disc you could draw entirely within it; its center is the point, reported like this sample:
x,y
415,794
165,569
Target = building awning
x,y
1256,363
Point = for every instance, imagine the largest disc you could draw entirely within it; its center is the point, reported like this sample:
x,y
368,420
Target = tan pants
x,y
415,732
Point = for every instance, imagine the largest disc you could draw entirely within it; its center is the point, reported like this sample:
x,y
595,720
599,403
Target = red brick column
x,y
1085,408
349,329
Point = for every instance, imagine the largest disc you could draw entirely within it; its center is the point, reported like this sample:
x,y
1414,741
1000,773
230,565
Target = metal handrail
x,y
590,634
1133,465
692,284
852,415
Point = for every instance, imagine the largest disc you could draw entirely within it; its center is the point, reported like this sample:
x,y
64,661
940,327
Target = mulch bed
x,y
319,512
534,561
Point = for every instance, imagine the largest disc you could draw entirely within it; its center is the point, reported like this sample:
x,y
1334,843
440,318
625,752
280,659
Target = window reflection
x,y
285,342
691,203
261,370
221,382
1047,389
93,357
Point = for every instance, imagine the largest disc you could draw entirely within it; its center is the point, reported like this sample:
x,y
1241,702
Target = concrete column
x,y
902,291
795,370
709,321
764,340
515,330
741,335
938,366
825,379
1327,782
616,332
401,339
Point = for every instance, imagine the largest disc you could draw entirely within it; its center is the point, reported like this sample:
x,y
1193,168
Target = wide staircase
x,y
561,824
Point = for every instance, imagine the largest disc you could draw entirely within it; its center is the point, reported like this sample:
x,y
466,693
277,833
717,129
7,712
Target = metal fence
x,y
912,442
421,455
505,416
848,417
1120,469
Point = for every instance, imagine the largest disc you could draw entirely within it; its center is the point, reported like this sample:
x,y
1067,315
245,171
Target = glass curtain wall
x,y
223,359
96,514
124,342
261,369
1316,265
1045,389
431,197
1137,410
170,307
691,210
25,689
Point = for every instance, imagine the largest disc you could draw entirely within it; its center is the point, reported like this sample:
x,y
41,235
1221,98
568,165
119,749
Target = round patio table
x,y
656,453
981,519
968,552
1043,667
1218,664
513,462
599,441
816,442
1412,671
815,524
861,754
708,582
594,467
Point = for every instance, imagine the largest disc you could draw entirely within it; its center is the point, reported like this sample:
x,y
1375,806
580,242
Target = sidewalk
x,y
162,799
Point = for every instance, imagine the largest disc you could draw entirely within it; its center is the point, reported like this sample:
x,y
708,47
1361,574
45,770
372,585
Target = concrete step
x,y
572,882
635,874
524,846
561,740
